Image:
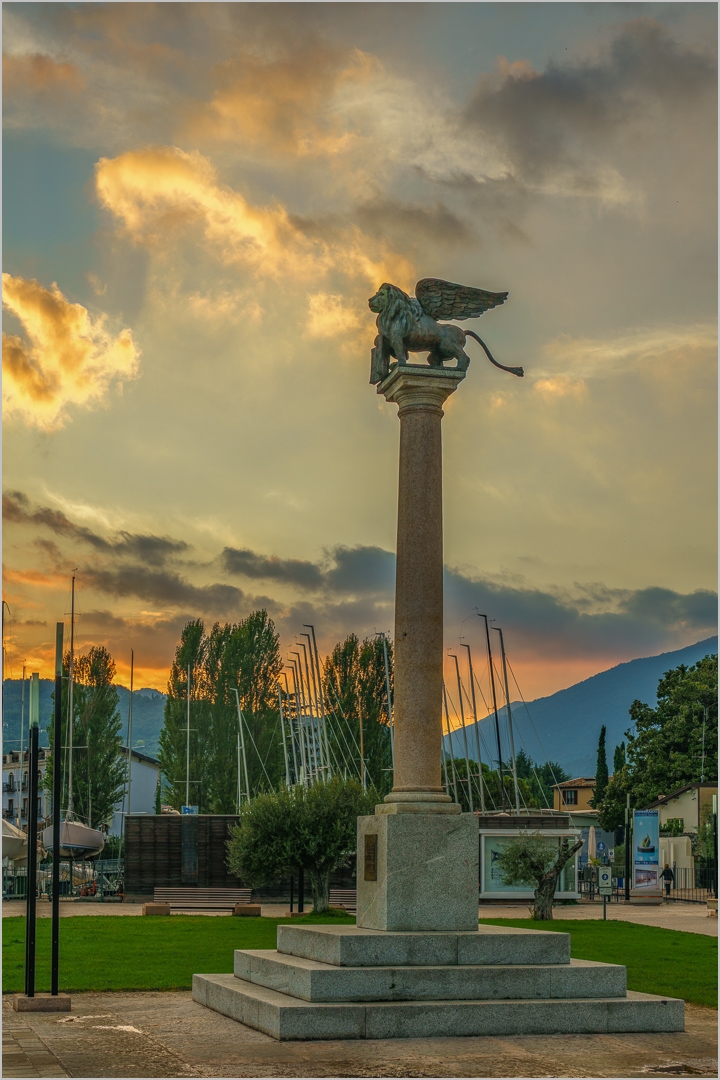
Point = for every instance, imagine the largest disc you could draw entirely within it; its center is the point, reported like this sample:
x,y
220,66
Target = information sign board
x,y
604,880
189,809
646,850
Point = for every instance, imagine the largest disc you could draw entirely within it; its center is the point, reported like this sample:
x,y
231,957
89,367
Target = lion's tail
x,y
513,370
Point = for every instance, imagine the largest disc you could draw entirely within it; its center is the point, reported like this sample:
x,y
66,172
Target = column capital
x,y
412,385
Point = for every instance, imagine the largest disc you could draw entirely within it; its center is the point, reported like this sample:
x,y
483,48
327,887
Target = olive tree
x,y
535,860
312,829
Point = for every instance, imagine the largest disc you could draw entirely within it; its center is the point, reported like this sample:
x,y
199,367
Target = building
x,y
144,776
16,787
574,794
691,805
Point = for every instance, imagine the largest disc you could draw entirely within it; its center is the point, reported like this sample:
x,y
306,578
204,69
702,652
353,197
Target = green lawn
x,y
151,953
658,961
120,953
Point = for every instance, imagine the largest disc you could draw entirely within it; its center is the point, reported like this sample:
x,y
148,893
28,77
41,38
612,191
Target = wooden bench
x,y
206,899
344,898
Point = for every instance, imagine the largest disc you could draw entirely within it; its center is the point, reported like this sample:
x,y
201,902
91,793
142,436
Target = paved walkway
x,y
691,917
673,916
169,1035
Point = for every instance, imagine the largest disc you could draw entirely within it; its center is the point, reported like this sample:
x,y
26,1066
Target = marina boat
x,y
77,841
14,842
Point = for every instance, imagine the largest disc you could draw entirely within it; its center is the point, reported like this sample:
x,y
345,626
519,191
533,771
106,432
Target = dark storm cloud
x,y
246,563
545,117
165,588
151,549
363,570
546,624
400,222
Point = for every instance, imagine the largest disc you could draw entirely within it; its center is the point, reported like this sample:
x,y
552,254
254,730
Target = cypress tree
x,y
601,771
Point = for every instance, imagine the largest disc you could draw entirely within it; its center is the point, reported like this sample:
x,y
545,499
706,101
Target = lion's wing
x,y
446,300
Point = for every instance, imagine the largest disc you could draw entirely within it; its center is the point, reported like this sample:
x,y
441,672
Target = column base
x,y
423,874
418,802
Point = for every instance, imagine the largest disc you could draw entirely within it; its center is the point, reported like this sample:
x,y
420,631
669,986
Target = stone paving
x,y
169,1035
673,916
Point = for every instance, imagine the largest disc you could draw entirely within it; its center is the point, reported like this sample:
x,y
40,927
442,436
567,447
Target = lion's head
x,y
394,309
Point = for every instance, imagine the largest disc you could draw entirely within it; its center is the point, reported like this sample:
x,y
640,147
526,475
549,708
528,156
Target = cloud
x,y
640,349
39,75
246,563
69,360
168,589
155,550
557,126
160,191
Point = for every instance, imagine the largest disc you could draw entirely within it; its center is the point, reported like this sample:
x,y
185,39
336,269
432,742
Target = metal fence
x,y
693,885
99,880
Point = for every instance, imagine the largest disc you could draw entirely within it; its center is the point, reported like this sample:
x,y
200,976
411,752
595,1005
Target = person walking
x,y
668,877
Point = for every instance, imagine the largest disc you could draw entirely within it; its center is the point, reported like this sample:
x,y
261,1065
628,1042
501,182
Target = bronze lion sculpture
x,y
409,324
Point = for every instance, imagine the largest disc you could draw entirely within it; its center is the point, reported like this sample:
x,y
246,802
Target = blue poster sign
x,y
189,809
646,849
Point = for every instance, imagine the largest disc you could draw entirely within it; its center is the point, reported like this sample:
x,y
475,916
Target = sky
x,y
198,201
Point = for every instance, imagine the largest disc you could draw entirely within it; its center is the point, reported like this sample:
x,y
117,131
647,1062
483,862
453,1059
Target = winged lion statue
x,y
409,324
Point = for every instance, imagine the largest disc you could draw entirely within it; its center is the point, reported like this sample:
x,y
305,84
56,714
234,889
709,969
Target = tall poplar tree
x,y
99,766
355,689
242,656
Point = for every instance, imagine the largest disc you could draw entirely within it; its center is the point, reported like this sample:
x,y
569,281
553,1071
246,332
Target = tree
x,y
674,744
540,778
618,758
457,782
537,861
242,656
99,765
314,829
601,771
355,690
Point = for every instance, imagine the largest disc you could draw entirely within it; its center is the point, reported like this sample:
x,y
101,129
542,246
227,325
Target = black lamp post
x,y
57,780
32,837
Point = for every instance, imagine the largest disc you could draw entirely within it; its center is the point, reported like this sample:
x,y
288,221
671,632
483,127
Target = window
x,y
570,798
24,807
11,808
39,806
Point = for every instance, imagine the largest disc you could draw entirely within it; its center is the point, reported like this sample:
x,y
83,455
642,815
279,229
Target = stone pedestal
x,y
417,871
341,982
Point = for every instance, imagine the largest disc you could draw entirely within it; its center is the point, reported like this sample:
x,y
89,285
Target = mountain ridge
x,y
564,727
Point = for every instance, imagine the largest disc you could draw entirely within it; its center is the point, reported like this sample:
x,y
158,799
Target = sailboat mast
x,y
450,749
130,742
464,731
71,714
284,744
497,719
477,727
187,744
22,739
509,721
389,701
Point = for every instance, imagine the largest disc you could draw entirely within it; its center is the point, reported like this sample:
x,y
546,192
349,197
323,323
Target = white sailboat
x,y
77,840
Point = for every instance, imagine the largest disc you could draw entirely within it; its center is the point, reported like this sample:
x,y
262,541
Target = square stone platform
x,y
346,982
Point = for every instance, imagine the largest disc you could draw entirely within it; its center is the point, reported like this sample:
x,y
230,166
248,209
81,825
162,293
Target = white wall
x,y
144,777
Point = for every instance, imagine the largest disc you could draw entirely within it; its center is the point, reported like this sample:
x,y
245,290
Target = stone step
x,y
313,981
285,1017
352,946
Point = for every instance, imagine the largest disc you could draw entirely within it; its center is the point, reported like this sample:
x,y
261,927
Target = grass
x,y
120,953
123,953
658,961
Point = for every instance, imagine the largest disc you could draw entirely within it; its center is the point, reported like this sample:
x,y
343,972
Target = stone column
x,y
419,393
418,854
